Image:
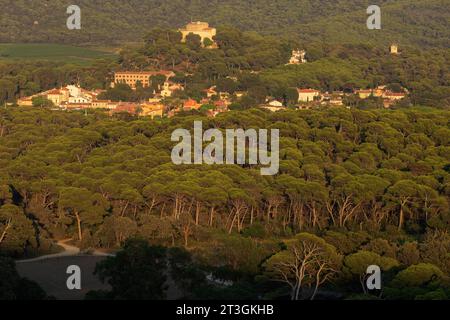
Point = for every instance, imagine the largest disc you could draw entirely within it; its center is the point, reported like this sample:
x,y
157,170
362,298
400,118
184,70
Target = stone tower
x,y
394,49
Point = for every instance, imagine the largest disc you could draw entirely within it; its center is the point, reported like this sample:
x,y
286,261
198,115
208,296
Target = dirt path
x,y
50,271
69,251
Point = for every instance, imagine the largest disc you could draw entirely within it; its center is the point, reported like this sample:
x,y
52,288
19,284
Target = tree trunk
x,y
186,231
401,219
232,223
211,217
80,235
8,225
197,213
162,210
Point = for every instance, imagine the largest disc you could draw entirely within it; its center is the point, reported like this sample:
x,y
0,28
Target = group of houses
x,y
309,98
73,97
389,97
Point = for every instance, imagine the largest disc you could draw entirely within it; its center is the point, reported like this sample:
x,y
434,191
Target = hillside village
x,y
72,97
164,102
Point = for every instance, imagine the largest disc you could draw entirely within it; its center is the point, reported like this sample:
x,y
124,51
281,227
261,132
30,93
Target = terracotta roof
x,y
146,73
220,103
126,107
307,90
190,103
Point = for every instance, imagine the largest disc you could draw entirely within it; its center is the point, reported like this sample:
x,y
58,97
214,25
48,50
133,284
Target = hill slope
x,y
418,22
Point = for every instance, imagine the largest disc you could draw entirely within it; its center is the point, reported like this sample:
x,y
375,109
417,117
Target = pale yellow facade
x,y
364,94
152,110
307,95
394,48
131,78
199,28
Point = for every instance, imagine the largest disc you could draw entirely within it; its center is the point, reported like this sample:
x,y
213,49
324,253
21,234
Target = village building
x,y
74,106
25,102
364,93
224,95
273,108
275,103
336,101
70,94
381,92
112,105
333,99
272,105
104,104
210,92
394,95
168,89
378,92
56,96
191,105
202,29
307,95
80,100
152,110
298,57
100,104
125,107
143,77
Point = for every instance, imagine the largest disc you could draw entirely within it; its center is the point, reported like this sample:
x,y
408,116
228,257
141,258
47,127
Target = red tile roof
x,y
190,103
146,73
308,90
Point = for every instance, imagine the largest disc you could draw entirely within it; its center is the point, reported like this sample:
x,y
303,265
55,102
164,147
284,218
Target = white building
x,y
307,95
298,57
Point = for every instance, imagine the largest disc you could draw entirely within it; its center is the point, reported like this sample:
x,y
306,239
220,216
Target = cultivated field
x,y
52,52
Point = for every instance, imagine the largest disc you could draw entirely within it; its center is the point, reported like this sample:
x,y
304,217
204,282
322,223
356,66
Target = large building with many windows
x,y
131,78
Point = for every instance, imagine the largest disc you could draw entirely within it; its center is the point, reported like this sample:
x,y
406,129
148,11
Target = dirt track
x,y
49,271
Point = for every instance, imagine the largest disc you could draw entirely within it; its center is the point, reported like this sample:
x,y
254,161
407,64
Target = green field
x,y
52,52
